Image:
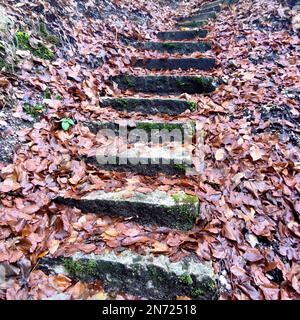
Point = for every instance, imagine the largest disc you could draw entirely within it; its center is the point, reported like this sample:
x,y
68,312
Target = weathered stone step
x,y
171,64
166,84
193,24
149,106
213,4
213,8
198,17
172,158
182,35
217,2
151,127
177,47
148,276
179,211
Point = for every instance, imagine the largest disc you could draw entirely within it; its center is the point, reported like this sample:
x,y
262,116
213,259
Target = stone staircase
x,y
153,277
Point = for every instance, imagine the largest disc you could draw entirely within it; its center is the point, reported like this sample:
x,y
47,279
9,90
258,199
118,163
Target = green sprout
x,y
66,123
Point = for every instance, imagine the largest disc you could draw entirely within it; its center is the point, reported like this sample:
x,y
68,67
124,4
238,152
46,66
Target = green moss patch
x,y
121,103
180,167
202,81
82,268
185,198
192,105
41,51
193,24
186,212
186,279
148,126
129,81
172,45
208,287
22,39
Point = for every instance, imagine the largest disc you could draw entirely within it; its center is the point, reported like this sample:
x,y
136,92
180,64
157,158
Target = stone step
x,y
149,106
177,47
193,24
171,158
149,126
218,2
171,64
213,4
178,211
213,8
197,17
182,35
148,276
166,84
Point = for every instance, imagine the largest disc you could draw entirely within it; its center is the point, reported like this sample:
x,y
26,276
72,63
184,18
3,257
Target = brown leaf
x,y
231,232
255,153
253,255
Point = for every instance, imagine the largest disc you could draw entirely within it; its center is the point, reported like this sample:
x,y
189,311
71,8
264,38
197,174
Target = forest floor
x,y
249,189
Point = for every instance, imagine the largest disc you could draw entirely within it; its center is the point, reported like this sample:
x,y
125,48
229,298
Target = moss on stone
x,y
207,287
43,52
82,268
202,81
122,103
148,126
186,279
171,45
156,274
22,39
185,210
180,167
185,198
192,105
194,24
129,81
197,292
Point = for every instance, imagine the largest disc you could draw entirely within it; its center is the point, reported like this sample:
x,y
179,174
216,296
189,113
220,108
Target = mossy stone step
x,y
177,47
178,211
214,8
151,127
215,3
166,84
148,276
149,106
197,17
193,24
171,158
171,64
182,35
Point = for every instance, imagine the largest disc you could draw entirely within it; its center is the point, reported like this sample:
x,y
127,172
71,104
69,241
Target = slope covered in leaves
x,y
249,189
